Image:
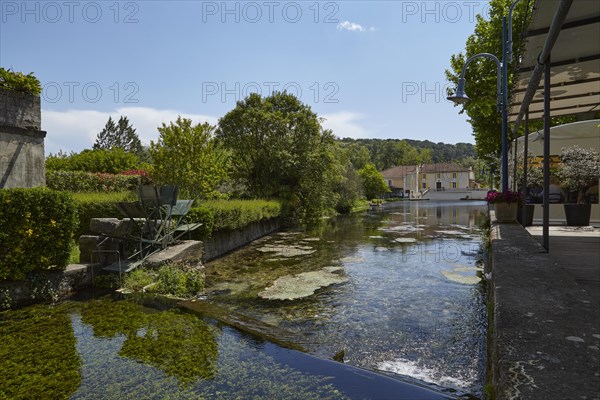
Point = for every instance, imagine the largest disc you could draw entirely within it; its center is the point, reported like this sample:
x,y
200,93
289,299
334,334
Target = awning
x,y
575,61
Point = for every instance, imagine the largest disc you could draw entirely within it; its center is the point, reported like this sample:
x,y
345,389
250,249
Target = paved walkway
x,y
546,329
577,251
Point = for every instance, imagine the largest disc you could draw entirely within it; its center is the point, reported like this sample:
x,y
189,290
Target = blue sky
x,y
372,69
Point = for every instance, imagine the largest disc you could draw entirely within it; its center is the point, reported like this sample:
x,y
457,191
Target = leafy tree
x,y
281,150
481,75
373,182
122,135
189,156
358,154
347,184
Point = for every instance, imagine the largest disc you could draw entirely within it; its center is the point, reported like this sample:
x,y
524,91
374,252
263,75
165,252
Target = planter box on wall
x,y
506,212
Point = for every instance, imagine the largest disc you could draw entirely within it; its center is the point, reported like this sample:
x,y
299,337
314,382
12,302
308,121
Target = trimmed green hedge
x,y
235,214
79,181
214,215
36,227
111,161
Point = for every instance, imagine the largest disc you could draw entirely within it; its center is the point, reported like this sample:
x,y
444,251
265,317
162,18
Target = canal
x,y
407,309
413,303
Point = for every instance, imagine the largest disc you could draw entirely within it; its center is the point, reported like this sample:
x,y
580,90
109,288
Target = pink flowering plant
x,y
503,197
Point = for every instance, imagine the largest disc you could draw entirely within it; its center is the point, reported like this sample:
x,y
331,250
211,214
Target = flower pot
x,y
578,214
529,211
506,212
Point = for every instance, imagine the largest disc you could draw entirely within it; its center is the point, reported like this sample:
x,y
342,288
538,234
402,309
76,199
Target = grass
x,y
89,197
74,254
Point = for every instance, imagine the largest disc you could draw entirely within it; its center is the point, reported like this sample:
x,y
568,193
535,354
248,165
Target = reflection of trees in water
x,y
38,358
180,344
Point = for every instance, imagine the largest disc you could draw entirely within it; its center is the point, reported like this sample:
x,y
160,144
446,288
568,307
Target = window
x,y
424,185
453,185
424,176
454,175
439,176
389,182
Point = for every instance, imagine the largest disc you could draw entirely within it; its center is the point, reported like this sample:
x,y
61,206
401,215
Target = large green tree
x,y
281,150
481,76
188,155
373,182
122,135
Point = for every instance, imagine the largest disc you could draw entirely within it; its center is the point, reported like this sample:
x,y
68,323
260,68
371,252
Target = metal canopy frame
x,y
568,31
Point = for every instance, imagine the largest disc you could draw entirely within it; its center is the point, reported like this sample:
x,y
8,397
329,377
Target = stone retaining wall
x,y
222,242
45,287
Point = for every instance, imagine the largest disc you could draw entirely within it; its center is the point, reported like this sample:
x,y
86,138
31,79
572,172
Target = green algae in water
x,y
122,350
38,356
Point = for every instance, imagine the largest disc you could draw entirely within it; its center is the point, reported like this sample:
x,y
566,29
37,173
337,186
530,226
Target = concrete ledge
x,y
546,338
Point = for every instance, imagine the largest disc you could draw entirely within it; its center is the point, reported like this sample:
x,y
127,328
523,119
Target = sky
x,y
371,69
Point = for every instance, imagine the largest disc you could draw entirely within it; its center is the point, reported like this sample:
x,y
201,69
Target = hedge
x,y
79,181
111,161
235,214
36,227
214,215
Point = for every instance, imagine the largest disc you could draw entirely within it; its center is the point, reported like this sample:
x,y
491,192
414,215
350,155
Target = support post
x,y
525,154
504,109
546,223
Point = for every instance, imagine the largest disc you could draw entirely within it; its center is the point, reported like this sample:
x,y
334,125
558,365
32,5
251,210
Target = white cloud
x,y
344,124
75,130
353,27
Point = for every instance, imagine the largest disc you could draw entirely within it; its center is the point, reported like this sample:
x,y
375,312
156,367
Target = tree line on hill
x,y
270,147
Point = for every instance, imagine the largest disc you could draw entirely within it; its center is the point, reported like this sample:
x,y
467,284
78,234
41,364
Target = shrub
x,y
36,227
179,280
79,181
204,216
20,82
235,214
111,161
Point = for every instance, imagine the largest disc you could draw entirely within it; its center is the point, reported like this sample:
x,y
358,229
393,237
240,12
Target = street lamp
x,y
501,93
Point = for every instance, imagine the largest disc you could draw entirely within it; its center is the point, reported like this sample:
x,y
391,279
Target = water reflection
x,y
120,349
412,304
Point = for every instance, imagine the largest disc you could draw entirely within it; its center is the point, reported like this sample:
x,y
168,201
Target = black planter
x,y
529,210
578,214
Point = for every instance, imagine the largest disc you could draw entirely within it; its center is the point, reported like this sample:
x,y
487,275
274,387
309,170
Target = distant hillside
x,y
387,153
442,152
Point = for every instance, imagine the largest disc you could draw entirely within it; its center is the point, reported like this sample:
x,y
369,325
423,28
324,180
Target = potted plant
x,y
579,167
535,177
505,205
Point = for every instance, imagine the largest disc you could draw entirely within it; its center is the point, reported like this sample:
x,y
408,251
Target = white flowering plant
x,y
579,168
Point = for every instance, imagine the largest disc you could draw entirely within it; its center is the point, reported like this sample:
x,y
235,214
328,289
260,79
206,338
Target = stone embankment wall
x,y
545,332
21,141
222,242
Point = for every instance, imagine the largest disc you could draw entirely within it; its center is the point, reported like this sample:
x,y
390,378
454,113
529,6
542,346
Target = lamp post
x,y
501,88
